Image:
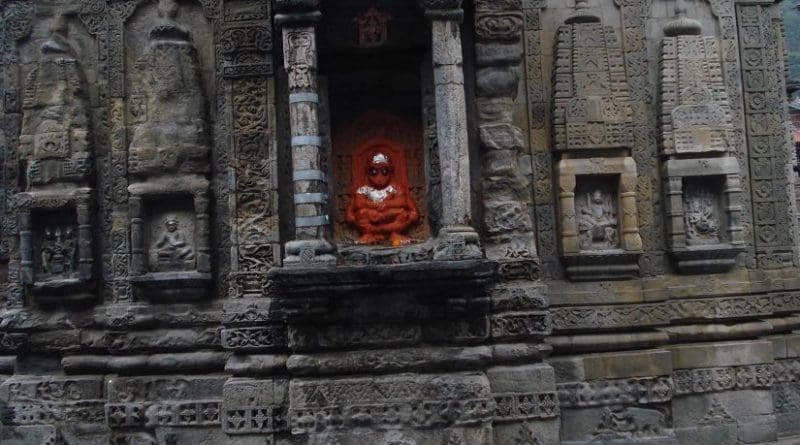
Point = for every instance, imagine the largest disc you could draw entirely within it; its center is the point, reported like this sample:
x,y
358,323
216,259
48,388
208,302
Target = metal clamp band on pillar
x,y
309,175
304,141
310,198
295,98
311,221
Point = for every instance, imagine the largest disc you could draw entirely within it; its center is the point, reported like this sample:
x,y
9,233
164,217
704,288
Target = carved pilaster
x,y
507,217
769,147
311,243
457,239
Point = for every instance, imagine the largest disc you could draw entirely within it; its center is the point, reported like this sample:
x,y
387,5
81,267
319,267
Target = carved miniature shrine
x,y
383,222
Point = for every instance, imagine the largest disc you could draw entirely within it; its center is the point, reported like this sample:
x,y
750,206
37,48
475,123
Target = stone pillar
x,y
26,247
311,243
136,212
83,212
203,230
457,239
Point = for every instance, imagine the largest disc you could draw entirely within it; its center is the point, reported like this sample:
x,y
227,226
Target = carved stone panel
x,y
598,218
702,205
696,113
592,97
55,246
56,133
170,238
167,103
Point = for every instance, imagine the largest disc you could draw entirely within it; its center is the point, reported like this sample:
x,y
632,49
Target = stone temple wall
x,y
591,236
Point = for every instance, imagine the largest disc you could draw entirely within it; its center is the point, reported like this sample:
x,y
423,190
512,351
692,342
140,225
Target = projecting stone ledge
x,y
451,288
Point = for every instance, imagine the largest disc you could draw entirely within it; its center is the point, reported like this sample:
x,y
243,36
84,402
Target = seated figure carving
x,y
58,251
381,207
702,224
597,222
172,249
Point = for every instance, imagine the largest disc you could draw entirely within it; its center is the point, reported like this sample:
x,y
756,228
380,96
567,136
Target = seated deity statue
x,y
58,250
597,222
172,248
381,207
702,225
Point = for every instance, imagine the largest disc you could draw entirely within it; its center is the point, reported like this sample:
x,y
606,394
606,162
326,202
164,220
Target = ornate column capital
x,y
297,11
449,10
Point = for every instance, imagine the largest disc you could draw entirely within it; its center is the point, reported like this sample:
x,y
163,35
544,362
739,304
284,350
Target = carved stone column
x,y
457,239
311,243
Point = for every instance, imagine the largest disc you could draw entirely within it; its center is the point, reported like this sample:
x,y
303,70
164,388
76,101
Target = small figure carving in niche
x,y
381,206
373,27
58,250
173,252
597,221
702,224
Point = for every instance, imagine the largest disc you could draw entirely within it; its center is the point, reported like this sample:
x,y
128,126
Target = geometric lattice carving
x,y
592,98
695,109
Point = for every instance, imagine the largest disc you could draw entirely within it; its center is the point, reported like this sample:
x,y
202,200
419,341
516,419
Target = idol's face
x,y
380,175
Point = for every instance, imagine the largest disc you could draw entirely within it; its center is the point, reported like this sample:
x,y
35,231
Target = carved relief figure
x,y
172,250
168,102
630,422
373,27
597,221
381,206
58,250
700,216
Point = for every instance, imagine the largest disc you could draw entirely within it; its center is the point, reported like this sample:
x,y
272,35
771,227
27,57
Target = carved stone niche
x,y
56,239
171,253
597,208
703,208
56,236
356,146
168,163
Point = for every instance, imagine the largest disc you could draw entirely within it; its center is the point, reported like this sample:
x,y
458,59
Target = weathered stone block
x,y
721,354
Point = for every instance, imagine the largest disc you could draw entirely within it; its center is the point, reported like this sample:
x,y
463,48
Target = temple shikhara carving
x,y
395,222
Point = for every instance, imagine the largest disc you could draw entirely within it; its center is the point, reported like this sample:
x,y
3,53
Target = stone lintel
x,y
200,362
627,364
389,361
